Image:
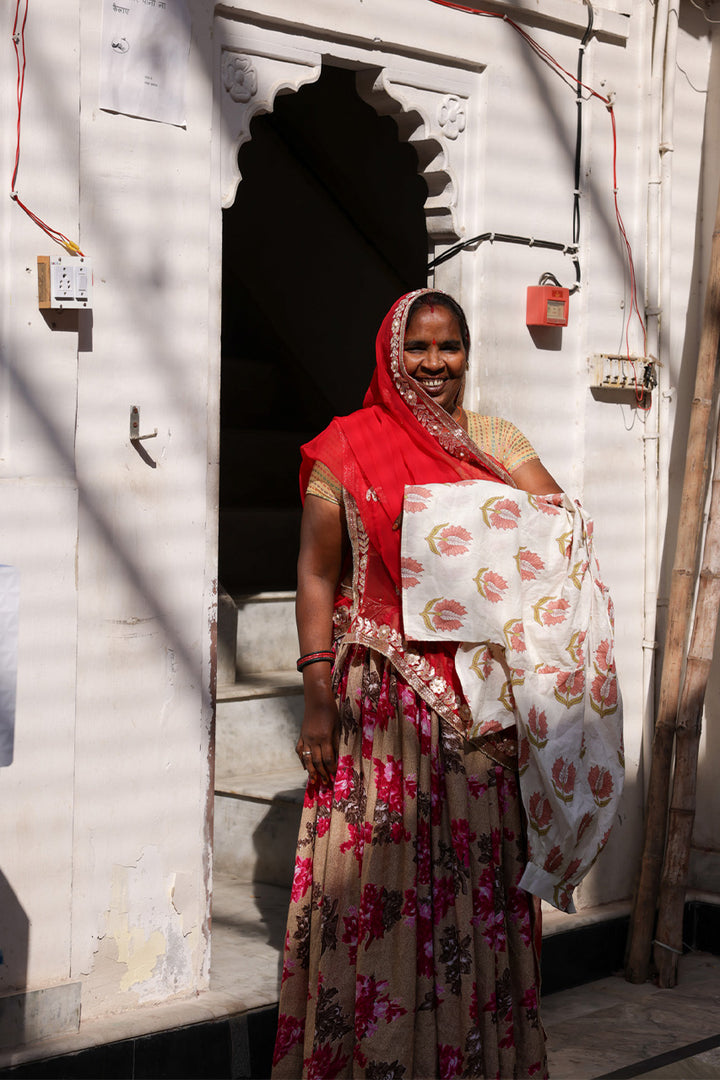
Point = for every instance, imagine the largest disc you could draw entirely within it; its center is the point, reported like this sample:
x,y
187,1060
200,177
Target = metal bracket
x,y
135,435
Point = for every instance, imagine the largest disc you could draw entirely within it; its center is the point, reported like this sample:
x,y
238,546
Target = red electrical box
x,y
547,305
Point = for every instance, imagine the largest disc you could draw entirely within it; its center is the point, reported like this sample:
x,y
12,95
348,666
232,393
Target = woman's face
x,y
434,354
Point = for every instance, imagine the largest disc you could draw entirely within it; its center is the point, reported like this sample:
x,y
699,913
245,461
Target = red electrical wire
x,y
550,60
18,38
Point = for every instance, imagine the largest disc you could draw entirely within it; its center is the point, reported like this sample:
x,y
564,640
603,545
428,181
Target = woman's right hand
x,y
317,746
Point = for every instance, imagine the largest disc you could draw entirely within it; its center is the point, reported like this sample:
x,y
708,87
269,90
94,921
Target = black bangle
x,y
315,657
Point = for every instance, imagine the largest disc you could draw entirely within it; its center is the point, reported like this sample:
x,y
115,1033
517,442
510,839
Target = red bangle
x,y
314,657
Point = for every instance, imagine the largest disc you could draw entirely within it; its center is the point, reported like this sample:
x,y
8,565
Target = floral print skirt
x,y
410,949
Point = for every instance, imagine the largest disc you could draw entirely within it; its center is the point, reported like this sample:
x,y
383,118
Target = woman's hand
x,y
317,746
322,538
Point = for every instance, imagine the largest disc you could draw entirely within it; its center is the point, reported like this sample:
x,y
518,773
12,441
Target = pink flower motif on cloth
x,y
373,1005
389,781
409,571
499,513
570,687
553,860
603,688
344,779
572,867
302,879
578,573
540,813
575,648
290,1032
443,896
564,542
447,539
482,662
563,779
546,504
529,564
551,610
537,727
586,822
451,1061
601,785
490,585
441,614
416,498
514,635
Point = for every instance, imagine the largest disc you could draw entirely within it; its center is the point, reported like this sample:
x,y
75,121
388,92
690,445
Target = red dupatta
x,y
400,436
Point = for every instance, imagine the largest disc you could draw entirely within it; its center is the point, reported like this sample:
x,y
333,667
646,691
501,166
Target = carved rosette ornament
x,y
451,116
239,77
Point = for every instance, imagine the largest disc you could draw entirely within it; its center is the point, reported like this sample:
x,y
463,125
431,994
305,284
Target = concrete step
x,y
266,633
257,726
256,634
257,817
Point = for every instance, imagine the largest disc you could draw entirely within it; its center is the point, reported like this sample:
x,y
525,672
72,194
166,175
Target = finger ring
x,y
307,753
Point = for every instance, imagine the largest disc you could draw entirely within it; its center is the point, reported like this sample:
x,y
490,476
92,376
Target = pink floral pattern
x,y
529,581
448,539
404,955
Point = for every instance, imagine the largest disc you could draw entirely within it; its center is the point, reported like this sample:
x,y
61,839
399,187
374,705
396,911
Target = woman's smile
x,y
434,354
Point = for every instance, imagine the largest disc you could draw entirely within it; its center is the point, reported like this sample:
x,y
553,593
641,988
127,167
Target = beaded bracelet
x,y
314,657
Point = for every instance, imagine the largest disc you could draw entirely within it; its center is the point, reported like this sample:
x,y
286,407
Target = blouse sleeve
x,y
501,439
324,484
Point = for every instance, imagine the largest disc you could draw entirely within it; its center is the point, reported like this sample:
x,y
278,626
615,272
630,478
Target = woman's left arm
x,y
532,476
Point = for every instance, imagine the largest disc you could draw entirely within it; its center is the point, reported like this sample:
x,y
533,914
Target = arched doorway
x,y
327,229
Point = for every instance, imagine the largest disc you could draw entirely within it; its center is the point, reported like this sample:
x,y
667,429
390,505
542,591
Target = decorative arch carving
x,y
249,85
429,106
426,119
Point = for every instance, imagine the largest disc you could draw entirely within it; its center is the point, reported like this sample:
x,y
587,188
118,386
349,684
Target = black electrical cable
x,y
508,238
578,136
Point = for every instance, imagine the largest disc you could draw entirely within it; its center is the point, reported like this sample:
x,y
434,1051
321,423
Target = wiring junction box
x,y
636,375
64,282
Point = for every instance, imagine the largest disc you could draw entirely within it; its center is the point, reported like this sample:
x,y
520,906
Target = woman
x,y
410,950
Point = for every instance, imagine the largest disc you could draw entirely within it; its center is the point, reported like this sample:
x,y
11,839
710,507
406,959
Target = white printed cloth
x,y
484,564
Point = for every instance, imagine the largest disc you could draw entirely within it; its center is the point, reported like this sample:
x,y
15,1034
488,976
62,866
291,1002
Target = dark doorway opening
x,y
327,230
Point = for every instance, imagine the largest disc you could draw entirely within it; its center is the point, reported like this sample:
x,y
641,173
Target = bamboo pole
x,y
680,606
668,936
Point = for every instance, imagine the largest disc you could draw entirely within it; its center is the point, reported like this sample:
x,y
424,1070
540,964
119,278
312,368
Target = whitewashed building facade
x,y
372,136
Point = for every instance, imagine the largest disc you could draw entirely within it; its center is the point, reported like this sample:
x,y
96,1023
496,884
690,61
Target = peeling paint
x,y
146,951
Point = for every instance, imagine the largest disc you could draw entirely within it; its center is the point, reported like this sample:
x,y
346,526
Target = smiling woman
x,y
435,355
412,840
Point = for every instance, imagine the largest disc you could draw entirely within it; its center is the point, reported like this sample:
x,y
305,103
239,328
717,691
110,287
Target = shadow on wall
x,y
14,938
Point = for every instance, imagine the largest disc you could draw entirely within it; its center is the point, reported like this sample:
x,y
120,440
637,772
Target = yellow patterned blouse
x,y
495,436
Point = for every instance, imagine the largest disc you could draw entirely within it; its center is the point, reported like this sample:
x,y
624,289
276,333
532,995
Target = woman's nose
x,y
432,358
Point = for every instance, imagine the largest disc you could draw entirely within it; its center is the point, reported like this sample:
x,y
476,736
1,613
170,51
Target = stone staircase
x,y
259,783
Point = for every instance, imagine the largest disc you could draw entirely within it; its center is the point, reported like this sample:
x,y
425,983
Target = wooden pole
x,y
668,936
681,594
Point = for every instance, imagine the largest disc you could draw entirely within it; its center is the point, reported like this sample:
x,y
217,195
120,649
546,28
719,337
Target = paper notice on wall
x,y
9,608
143,60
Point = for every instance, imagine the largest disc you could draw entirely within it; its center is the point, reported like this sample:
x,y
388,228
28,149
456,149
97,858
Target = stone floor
x,y
610,1028
605,1028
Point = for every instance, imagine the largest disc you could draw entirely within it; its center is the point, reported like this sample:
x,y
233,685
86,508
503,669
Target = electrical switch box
x,y
547,305
613,371
64,282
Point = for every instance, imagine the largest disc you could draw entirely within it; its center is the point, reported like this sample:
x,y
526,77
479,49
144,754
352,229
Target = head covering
x,y
401,436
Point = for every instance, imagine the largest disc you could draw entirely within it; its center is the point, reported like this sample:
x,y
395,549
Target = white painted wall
x,y
103,822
